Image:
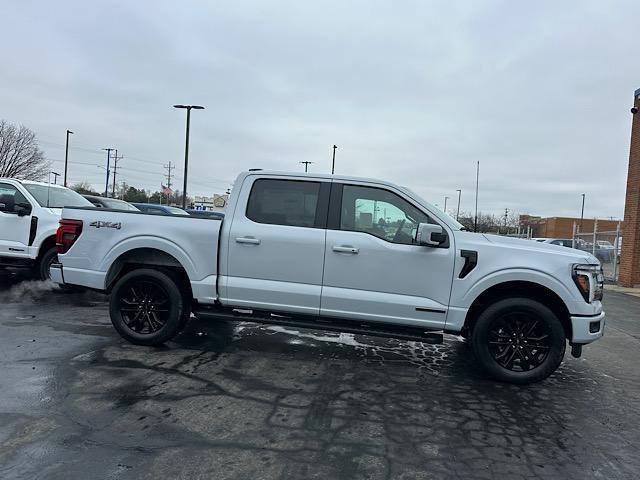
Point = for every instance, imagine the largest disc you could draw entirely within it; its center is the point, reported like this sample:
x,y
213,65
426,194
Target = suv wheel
x,y
518,340
147,307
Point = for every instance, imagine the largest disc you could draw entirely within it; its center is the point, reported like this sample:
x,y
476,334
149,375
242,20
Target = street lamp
x,y
458,210
582,212
66,156
333,162
445,203
186,149
55,177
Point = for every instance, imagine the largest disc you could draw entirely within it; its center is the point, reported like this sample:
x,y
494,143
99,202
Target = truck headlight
x,y
589,280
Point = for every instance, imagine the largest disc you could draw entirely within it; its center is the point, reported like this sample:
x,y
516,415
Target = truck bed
x,y
108,235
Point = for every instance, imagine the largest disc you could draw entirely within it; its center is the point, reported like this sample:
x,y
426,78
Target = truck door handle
x,y
345,249
249,240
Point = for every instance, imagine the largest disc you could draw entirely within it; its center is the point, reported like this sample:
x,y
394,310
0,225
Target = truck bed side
x,y
111,239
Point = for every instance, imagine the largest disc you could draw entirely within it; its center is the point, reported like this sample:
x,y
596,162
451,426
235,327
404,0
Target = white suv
x,y
29,216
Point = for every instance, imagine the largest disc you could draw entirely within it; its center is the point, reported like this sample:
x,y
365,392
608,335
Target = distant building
x,y
562,227
217,203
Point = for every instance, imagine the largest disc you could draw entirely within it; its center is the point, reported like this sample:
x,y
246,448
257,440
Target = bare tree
x,y
20,156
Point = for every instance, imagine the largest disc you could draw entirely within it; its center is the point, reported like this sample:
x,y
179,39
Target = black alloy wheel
x,y
518,340
148,306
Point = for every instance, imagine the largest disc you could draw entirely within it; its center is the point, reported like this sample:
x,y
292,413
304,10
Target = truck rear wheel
x,y
43,267
147,307
518,340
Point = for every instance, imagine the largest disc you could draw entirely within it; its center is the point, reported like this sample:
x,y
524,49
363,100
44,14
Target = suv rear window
x,y
284,202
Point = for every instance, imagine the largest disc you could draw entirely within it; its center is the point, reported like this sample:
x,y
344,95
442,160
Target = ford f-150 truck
x,y
29,216
338,253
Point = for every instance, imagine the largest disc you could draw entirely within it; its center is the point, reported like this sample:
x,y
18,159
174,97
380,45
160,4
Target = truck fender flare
x,y
149,243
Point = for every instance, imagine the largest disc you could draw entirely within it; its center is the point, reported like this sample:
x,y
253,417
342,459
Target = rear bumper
x,y
587,329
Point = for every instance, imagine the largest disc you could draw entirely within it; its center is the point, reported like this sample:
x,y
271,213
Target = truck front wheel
x,y
147,307
518,340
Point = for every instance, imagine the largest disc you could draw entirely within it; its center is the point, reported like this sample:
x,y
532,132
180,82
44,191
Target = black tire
x,y
147,307
518,340
43,266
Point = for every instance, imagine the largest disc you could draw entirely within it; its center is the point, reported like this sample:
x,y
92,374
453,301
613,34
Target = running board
x,y
415,334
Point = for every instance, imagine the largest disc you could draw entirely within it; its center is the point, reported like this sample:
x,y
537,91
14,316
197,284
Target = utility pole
x,y
458,210
506,215
106,183
475,221
116,159
445,204
582,212
333,163
306,164
66,156
168,168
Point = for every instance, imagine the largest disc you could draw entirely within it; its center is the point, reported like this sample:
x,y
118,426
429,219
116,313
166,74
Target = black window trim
x,y
322,205
335,212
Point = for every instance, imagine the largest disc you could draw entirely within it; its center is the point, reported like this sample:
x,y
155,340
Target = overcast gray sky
x,y
414,92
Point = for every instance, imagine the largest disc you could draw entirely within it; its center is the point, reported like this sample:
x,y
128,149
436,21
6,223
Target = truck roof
x,y
31,182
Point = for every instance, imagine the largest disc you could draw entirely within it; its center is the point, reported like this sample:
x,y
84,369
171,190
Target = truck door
x,y
14,229
373,269
276,245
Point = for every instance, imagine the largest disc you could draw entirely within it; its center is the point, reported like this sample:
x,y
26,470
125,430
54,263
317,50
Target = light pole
x,y
186,149
66,156
106,183
55,177
458,210
475,220
445,203
333,163
582,212
306,164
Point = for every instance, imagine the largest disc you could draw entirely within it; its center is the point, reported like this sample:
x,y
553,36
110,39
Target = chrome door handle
x,y
249,240
345,249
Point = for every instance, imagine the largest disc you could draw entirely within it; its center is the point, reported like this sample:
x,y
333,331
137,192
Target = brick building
x,y
562,227
630,257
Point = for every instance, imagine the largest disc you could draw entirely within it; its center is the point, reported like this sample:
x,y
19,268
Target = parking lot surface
x,y
242,401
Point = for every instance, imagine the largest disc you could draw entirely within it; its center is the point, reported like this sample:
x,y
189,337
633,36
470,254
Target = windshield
x,y
56,197
118,204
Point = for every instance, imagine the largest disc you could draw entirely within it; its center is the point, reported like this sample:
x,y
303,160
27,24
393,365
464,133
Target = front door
x,y
276,247
14,230
374,270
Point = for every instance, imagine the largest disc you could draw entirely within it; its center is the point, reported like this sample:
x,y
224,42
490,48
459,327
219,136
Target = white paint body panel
x,y
14,230
295,269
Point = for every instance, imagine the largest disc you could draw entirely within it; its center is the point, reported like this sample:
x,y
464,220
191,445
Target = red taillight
x,y
68,233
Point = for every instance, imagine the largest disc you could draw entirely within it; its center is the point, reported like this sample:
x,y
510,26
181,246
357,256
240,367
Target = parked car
x,y
103,202
308,251
565,242
204,213
29,216
159,209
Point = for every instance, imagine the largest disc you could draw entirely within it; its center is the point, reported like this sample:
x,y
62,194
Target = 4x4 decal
x,y
101,224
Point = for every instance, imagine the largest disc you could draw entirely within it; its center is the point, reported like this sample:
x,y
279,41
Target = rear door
x,y
374,270
276,245
14,230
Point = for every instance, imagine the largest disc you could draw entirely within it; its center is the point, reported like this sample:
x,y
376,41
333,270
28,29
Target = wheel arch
x,y
48,243
146,257
519,288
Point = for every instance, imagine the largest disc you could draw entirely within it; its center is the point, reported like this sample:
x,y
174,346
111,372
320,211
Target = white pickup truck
x,y
29,217
338,253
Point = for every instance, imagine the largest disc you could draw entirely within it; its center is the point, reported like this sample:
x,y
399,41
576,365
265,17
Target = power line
x,y
116,159
169,168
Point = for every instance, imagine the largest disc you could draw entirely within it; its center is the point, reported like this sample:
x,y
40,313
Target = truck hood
x,y
579,256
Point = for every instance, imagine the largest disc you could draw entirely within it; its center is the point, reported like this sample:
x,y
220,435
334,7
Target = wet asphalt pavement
x,y
240,401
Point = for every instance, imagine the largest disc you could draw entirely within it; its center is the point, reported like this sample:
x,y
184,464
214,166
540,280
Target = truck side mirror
x,y
22,209
430,235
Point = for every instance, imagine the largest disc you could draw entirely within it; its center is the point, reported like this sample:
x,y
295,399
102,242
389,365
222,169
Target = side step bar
x,y
322,323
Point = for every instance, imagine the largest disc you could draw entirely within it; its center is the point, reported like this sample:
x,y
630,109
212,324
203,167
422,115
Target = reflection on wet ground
x,y
248,401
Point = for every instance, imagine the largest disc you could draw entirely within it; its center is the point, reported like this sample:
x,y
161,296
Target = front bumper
x,y
56,273
587,328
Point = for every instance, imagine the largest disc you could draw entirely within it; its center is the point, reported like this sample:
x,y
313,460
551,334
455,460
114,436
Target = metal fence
x,y
606,246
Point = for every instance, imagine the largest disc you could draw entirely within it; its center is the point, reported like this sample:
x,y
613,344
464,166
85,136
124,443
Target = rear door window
x,y
285,202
